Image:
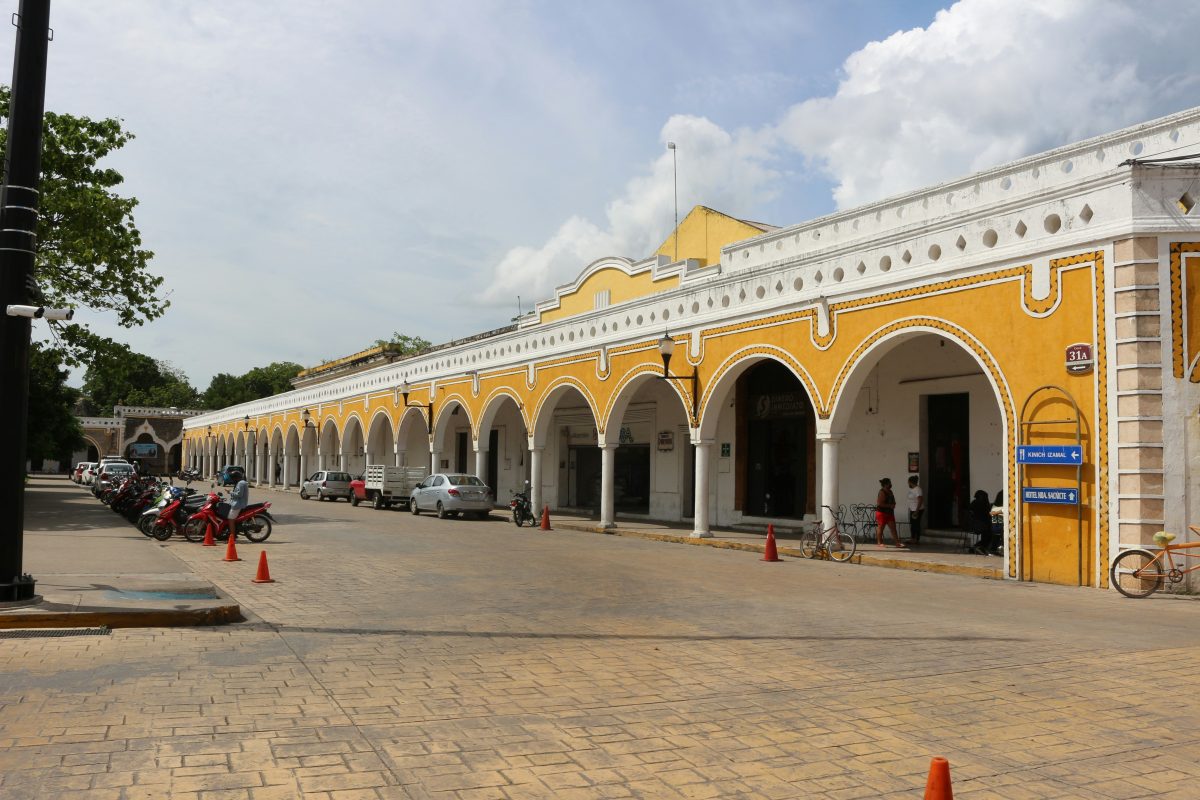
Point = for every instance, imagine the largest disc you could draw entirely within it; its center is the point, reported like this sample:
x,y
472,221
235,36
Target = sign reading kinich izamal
x,y
1071,454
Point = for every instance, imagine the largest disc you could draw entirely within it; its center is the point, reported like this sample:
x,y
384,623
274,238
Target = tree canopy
x,y
228,390
90,251
119,376
403,344
53,430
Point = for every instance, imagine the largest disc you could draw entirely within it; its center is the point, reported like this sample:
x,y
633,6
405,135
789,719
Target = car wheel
x,y
441,511
354,500
377,502
412,506
320,496
303,495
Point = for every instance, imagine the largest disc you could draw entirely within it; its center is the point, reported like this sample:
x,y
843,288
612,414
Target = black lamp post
x,y
18,245
306,418
404,390
666,347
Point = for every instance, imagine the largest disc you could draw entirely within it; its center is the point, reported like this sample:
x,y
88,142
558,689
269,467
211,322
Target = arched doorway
x,y
565,441
502,445
381,444
412,439
329,454
452,444
353,449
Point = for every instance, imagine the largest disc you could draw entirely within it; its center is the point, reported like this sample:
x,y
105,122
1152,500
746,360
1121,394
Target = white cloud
x,y
729,171
989,81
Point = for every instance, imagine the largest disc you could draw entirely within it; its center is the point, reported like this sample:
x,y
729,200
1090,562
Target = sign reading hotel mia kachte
x,y
1039,494
1050,454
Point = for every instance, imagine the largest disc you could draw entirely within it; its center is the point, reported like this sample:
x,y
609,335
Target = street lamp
x,y
404,390
675,172
306,418
246,422
666,347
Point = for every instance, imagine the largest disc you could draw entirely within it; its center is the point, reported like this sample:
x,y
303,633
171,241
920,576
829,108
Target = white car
x,y
451,494
90,471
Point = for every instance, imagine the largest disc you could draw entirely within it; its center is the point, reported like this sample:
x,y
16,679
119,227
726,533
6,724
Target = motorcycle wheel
x,y
256,530
193,530
146,525
517,517
163,532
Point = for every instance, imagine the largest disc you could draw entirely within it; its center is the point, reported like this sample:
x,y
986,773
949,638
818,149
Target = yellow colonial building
x,y
1029,331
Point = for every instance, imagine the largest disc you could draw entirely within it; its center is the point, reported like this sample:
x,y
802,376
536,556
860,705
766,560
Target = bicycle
x,y
831,542
1141,573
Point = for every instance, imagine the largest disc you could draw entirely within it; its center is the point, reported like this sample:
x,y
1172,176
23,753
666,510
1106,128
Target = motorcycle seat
x,y
252,507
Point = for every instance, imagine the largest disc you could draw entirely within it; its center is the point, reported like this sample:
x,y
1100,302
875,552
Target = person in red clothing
x,y
885,512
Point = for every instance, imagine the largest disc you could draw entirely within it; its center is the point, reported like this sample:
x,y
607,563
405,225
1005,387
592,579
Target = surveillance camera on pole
x,y
40,312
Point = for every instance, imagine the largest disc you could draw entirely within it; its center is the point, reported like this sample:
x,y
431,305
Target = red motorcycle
x,y
254,521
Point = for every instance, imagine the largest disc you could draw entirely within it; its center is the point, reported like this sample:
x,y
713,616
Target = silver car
x,y
451,494
326,485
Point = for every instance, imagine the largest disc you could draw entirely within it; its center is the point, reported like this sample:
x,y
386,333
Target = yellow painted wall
x,y
702,234
622,286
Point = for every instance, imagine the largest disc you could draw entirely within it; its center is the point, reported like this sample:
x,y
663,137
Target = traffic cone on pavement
x,y
770,553
231,548
208,537
937,787
264,574
546,518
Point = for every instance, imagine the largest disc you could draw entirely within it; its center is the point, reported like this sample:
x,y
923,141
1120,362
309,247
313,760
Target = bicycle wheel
x,y
808,544
840,545
1136,573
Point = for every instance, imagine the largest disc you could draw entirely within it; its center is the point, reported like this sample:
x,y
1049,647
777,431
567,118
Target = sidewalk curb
x,y
134,618
867,559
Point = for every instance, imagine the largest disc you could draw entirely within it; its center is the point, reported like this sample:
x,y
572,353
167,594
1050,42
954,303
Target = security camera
x,y
33,312
59,313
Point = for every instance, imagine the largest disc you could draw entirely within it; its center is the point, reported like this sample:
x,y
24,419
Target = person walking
x,y
885,512
916,509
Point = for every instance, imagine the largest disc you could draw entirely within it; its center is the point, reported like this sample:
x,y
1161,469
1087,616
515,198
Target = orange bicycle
x,y
1141,573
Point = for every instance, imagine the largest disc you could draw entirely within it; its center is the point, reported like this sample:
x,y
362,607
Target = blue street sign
x,y
1036,494
1050,454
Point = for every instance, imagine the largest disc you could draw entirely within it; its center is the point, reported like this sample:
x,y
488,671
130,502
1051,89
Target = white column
x,y
320,458
396,450
435,459
829,474
700,529
608,460
535,480
481,461
271,467
303,468
258,462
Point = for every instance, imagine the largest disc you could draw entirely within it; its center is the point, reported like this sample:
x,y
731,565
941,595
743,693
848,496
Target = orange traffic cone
x,y
937,787
208,536
546,518
231,548
264,574
770,553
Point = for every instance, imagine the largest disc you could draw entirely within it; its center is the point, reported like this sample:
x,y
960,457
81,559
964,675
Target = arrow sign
x,y
1050,454
1035,494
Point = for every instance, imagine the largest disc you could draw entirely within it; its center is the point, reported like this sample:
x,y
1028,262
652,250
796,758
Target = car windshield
x,y
464,480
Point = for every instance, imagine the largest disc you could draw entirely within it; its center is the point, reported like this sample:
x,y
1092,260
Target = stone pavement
x,y
402,657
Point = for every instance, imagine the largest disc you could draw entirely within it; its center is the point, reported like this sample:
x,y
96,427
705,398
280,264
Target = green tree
x,y
53,429
228,390
119,376
403,344
90,252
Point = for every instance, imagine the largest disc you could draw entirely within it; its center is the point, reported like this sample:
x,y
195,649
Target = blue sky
x,y
317,175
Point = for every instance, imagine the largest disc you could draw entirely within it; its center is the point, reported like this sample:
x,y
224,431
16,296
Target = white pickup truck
x,y
384,485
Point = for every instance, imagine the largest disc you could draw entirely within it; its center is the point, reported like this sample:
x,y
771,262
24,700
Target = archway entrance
x,y
775,431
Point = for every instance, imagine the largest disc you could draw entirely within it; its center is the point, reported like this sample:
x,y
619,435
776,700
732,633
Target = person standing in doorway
x,y
278,470
885,512
916,509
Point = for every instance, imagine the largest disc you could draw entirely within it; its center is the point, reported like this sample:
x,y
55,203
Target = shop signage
x,y
625,436
726,449
666,440
1079,358
1050,454
780,404
1036,494
143,450
914,462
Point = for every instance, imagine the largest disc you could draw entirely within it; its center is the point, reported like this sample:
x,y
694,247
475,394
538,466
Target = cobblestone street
x,y
409,657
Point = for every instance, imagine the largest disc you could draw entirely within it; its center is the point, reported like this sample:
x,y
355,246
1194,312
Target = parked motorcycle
x,y
521,510
168,516
254,521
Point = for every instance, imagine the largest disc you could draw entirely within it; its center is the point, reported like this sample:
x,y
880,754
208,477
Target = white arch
x,y
543,415
717,394
381,441
627,387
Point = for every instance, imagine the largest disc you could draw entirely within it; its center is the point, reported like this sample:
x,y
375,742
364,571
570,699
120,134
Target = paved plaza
x,y
402,657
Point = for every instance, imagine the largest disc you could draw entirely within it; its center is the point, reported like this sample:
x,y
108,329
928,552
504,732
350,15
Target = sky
x,y
313,176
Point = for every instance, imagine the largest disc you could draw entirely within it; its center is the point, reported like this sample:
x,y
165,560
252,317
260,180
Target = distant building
x,y
153,436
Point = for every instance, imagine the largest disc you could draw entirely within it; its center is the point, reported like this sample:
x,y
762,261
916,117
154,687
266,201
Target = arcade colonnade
x,y
935,334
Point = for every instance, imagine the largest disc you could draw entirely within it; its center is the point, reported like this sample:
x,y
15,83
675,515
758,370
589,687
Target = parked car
x,y
451,494
226,477
326,485
77,474
110,472
358,489
383,485
88,476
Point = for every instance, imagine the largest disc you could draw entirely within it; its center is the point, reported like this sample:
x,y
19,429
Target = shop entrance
x,y
948,448
631,478
777,421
